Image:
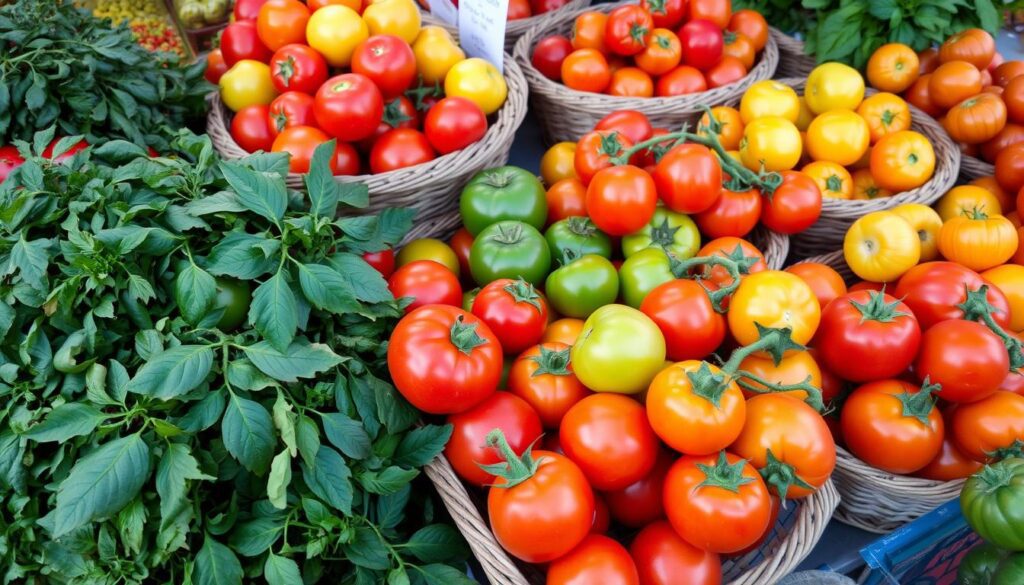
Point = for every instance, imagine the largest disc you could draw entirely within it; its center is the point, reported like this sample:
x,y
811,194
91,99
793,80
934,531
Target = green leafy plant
x,y
148,434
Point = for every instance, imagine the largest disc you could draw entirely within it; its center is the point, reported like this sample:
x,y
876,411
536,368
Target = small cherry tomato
x,y
427,283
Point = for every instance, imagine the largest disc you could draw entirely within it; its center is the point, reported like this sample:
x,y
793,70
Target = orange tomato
x,y
752,24
1018,256
797,367
739,46
902,161
953,82
949,464
631,82
920,97
893,67
982,427
735,248
586,70
865,186
687,416
885,113
557,163
978,241
977,119
833,179
563,331
824,281
588,31
681,81
973,46
542,376
662,53
1009,278
928,59
566,198
731,126
1006,72
1007,203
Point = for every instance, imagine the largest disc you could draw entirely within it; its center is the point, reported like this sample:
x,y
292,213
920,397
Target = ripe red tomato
x,y
346,160
934,289
640,503
388,62
428,283
542,6
688,178
598,559
288,110
732,214
398,113
593,152
702,43
715,11
666,13
1010,167
466,450
548,55
680,81
239,41
10,159
299,142
989,428
728,70
515,312
349,107
867,335
627,28
683,311
248,9
950,463
609,437
215,66
461,243
663,558
398,149
454,123
282,22
251,128
602,519
442,359
298,68
542,376
621,199
382,261
738,250
794,206
964,357
629,123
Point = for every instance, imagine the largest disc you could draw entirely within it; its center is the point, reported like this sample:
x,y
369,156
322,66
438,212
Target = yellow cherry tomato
x,y
881,246
803,119
769,99
902,161
927,223
436,53
558,163
335,31
428,249
773,143
978,241
839,136
797,367
1009,278
247,83
772,298
965,199
865,187
833,180
400,18
478,81
885,113
834,86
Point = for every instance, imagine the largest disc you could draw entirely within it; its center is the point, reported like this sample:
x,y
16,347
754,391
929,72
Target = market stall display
x,y
523,15
149,20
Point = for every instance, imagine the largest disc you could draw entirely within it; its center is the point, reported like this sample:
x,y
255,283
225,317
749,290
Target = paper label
x,y
482,29
444,10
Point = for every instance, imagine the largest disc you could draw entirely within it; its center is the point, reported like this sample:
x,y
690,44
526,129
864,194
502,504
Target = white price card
x,y
482,29
444,10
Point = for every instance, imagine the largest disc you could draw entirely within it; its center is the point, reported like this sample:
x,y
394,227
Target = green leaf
x,y
195,291
273,312
346,434
421,445
367,550
387,481
101,483
217,565
204,414
391,508
398,576
307,435
238,254
301,360
259,192
131,523
326,289
254,537
73,419
354,195
444,575
31,259
243,375
320,184
280,478
396,414
248,433
173,372
437,543
988,16
281,571
367,284
176,467
284,420
330,479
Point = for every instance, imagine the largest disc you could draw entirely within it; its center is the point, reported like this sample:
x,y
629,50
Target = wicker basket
x,y
515,28
792,60
838,214
971,168
431,188
773,245
567,114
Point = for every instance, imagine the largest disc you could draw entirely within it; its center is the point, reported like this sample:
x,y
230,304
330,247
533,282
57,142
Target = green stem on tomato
x,y
977,308
758,385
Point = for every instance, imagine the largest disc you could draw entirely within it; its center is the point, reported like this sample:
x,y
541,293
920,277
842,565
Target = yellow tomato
x,y
803,119
772,298
735,154
965,199
428,249
1007,201
927,223
978,241
393,17
773,143
436,53
865,187
335,31
885,113
797,367
247,83
834,86
478,81
1009,278
833,180
881,246
558,163
769,99
839,136
902,161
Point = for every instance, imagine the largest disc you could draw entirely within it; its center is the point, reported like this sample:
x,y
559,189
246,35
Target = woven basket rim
x,y
972,167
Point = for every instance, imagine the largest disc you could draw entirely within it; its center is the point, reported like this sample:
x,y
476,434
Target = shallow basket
x,y
793,62
837,215
515,28
872,499
972,167
567,114
431,188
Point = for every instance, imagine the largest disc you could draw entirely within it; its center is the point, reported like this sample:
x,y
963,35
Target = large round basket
x,y
793,62
972,168
431,188
838,214
515,28
773,245
567,114
872,499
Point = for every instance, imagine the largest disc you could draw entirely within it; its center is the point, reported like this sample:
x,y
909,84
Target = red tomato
x,y
298,68
750,259
990,428
602,519
466,450
248,9
251,129
729,70
609,437
621,199
630,123
428,283
934,289
598,559
299,142
593,152
398,113
965,358
683,311
542,6
515,312
566,198
518,9
663,558
454,123
688,178
349,107
680,81
382,261
824,281
388,62
10,159
288,110
702,43
542,376
732,214
794,206
398,149
282,22
346,160
548,55
640,503
867,335
666,13
949,464
717,11
627,28
239,41
461,242
215,66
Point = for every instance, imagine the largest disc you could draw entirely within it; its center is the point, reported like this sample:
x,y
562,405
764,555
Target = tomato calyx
x,y
781,476
707,384
611,146
994,477
581,226
523,292
393,114
464,336
876,309
664,235
682,268
656,7
552,362
499,178
725,475
419,95
286,70
919,404
1013,450
638,33
977,308
514,469
508,234
834,183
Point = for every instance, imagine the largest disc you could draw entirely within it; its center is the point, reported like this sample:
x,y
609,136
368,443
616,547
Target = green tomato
x,y
667,230
504,193
509,249
619,350
643,272
467,299
993,503
978,565
233,296
573,237
582,286
1010,571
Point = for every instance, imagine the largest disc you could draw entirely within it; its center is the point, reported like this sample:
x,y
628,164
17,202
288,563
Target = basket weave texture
x,y
972,168
792,60
431,188
515,28
567,114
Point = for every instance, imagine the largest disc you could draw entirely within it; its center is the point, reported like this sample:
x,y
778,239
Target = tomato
x,y
1009,279
583,285
346,160
388,62
545,516
1005,72
771,143
769,99
949,464
393,17
250,129
920,96
751,24
976,119
542,6
933,291
1007,202
631,82
335,31
453,124
979,565
543,377
989,428
741,251
383,261
627,29
518,9
621,199
702,42
731,126
694,408
641,273
632,124
834,86
885,113
282,22
990,502
349,106
929,59
666,13
247,83
10,159
717,503
902,161
436,53
964,200
881,246
478,81
865,188
728,70
796,367
442,359
680,81
688,178
609,437
576,236
215,66
964,357
794,206
515,312
953,82
299,142
832,179
400,112
564,330
557,164
501,194
602,518
288,110
715,11
662,557
640,503
1010,167
429,249
927,223
298,68
866,335
240,41
598,559
683,312
738,46
509,249
1010,134
398,149
839,136
978,241
892,425
548,55
247,9
619,350
662,52
566,198
973,45
825,282
589,30
893,67
427,283
315,5
732,214
773,299
466,450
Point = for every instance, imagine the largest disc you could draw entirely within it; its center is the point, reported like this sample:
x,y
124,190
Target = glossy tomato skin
x,y
248,9
934,289
826,283
428,283
860,349
688,178
466,449
298,68
626,30
388,62
980,429
666,13
593,152
239,41
965,358
702,43
431,372
383,261
621,199
400,148
251,130
10,159
289,109
640,503
773,299
686,418
609,437
349,107
453,124
548,55
950,464
299,142
515,312
630,123
734,213
215,66
543,377
598,559
681,80
282,22
794,206
739,250
346,160
662,557
683,311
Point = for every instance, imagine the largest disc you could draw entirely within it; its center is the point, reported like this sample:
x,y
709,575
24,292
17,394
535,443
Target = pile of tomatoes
x,y
657,48
392,93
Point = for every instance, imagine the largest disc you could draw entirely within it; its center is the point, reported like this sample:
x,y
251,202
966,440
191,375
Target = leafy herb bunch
x,y
145,440
60,65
